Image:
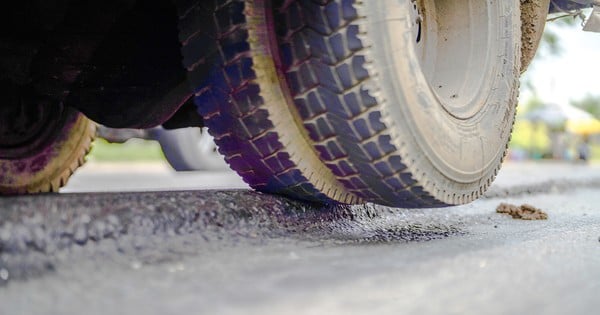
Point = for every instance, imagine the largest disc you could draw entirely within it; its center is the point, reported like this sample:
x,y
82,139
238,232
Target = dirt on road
x,y
523,212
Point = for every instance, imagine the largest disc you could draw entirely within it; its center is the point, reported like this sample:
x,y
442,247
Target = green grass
x,y
525,136
595,152
134,150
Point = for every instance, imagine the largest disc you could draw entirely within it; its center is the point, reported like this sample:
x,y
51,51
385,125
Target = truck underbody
x,y
397,102
118,62
568,5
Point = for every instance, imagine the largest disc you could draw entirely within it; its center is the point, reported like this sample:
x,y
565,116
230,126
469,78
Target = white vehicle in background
x,y
186,149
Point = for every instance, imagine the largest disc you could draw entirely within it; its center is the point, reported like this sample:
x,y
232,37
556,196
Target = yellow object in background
x,y
583,126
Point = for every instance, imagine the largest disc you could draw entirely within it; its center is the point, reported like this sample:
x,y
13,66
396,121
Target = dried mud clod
x,y
523,212
533,19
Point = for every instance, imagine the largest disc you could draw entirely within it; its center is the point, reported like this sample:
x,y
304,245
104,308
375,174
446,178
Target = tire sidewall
x,y
452,158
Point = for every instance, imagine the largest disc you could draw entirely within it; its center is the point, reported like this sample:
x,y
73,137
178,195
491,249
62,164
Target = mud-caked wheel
x,y
41,144
409,103
401,103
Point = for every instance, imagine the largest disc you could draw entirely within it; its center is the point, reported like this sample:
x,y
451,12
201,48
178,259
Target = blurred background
x,y
559,108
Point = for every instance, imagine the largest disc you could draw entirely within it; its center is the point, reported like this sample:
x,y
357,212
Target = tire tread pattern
x,y
324,60
230,100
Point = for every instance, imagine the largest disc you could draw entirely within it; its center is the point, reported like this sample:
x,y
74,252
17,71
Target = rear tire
x,y
46,166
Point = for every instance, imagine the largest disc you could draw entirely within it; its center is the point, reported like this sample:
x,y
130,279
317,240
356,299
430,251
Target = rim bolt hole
x,y
418,21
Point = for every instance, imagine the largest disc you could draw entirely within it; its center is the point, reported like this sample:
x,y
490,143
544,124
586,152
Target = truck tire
x,y
246,106
44,160
417,97
189,149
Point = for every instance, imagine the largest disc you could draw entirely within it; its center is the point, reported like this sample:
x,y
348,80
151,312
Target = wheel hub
x,y
452,43
27,123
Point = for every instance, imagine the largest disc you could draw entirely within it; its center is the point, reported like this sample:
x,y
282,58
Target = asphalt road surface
x,y
198,251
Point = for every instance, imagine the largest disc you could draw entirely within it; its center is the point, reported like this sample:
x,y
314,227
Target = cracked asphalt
x,y
202,251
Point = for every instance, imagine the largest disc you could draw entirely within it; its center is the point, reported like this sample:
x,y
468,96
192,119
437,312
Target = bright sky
x,y
571,75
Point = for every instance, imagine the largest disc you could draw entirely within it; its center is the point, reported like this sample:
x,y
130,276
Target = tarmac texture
x,y
241,252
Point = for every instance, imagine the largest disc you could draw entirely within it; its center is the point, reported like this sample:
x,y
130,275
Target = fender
x,y
567,5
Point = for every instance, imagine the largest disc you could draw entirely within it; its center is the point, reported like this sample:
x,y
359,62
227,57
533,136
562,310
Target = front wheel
x,y
418,97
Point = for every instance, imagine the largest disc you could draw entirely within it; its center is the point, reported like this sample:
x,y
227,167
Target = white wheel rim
x,y
454,48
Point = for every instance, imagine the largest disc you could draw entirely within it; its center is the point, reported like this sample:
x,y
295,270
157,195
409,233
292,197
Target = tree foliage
x,y
589,103
550,44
